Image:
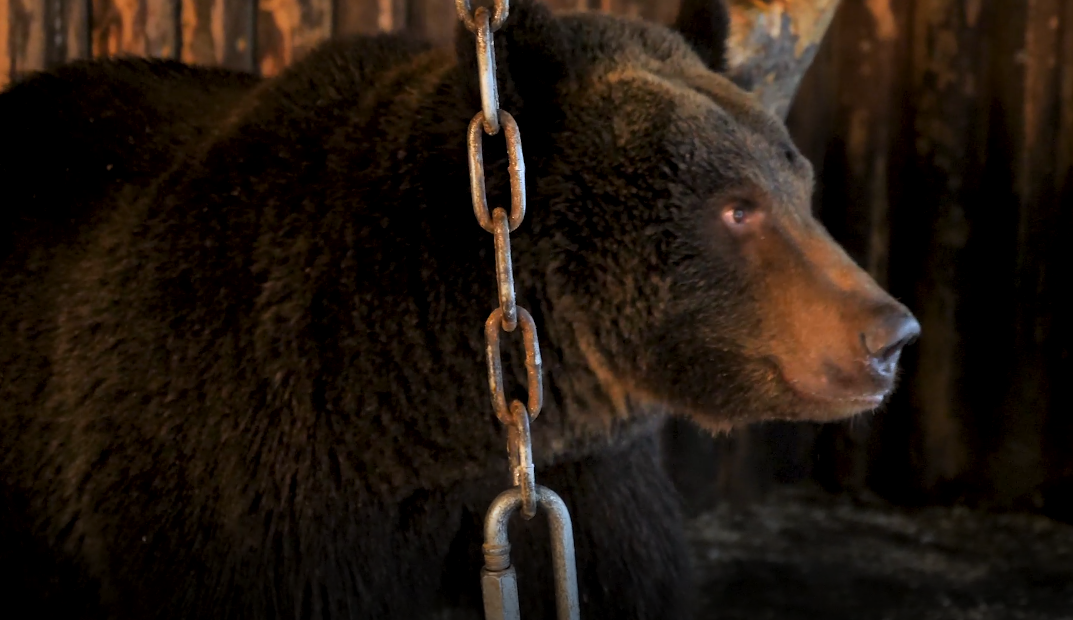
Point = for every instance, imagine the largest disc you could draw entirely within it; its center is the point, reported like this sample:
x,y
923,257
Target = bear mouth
x,y
832,392
835,404
839,406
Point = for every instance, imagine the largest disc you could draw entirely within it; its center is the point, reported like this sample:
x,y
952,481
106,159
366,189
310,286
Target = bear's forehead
x,y
704,119
656,65
654,82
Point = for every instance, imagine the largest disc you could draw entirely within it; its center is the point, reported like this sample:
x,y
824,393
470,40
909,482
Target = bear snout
x,y
837,336
885,338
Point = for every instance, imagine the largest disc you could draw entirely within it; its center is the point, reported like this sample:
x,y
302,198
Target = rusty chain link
x,y
498,578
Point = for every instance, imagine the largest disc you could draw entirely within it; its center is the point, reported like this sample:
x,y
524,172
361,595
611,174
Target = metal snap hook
x,y
499,582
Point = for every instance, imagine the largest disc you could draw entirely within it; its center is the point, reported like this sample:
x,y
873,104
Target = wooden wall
x,y
942,131
252,35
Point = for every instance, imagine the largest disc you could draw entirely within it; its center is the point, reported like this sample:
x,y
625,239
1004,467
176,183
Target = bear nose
x,y
887,337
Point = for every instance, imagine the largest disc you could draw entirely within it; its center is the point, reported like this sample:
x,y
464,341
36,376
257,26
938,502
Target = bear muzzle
x,y
836,335
845,376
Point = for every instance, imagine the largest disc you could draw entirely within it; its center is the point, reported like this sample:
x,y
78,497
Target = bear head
x,y
671,217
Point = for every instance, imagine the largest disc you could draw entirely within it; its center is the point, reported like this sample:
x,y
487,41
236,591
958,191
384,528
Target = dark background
x,y
942,132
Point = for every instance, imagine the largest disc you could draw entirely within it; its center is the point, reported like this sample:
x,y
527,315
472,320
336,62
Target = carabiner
x,y
499,582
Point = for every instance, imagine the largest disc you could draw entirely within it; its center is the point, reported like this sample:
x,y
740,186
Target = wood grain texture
x,y
139,27
238,35
364,16
78,40
435,20
1036,404
288,29
24,43
219,32
199,38
5,34
372,16
67,30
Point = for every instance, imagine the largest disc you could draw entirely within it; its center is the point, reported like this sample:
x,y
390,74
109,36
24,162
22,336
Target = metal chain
x,y
507,316
498,578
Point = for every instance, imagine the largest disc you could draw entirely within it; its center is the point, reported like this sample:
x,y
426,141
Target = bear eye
x,y
739,213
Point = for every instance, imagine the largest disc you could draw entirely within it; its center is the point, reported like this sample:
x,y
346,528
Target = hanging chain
x,y
508,315
498,578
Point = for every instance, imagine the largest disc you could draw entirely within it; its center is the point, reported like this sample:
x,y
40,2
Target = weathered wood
x,y
239,35
436,21
288,29
66,25
24,42
139,27
1035,426
219,32
5,34
773,43
79,37
198,44
366,16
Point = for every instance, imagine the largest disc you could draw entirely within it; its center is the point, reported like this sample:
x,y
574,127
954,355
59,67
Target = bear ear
x,y
531,49
705,24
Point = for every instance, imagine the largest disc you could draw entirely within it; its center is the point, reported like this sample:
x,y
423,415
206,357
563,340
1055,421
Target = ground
x,y
798,555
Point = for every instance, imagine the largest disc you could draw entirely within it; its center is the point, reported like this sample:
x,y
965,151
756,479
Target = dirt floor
x,y
798,555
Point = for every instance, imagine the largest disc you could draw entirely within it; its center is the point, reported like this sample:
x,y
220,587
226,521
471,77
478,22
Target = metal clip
x,y
499,583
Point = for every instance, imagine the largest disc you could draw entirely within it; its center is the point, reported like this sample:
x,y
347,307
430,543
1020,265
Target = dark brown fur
x,y
242,351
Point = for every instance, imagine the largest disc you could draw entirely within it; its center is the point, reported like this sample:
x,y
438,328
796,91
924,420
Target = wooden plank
x,y
237,38
198,41
160,28
5,33
288,29
436,19
1036,394
372,16
66,30
139,27
78,38
433,19
360,16
1065,127
24,42
219,32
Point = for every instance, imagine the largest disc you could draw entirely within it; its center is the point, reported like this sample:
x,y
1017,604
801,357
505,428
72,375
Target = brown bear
x,y
241,326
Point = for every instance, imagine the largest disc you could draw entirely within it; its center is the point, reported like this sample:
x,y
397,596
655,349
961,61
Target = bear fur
x,y
241,330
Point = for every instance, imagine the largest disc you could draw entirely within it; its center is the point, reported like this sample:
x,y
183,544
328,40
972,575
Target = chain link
x,y
507,315
498,578
466,14
515,166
